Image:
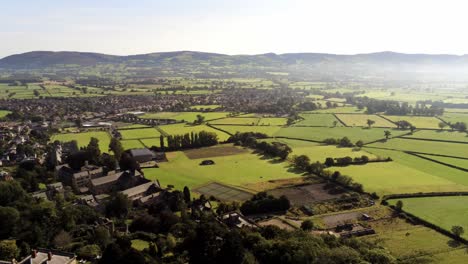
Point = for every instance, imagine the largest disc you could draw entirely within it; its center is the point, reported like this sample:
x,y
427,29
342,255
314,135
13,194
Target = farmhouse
x,y
142,155
142,192
79,180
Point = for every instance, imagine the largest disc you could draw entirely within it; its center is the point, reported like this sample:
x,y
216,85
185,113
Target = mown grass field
x,y
84,138
131,144
442,211
184,116
140,133
318,120
440,135
237,170
321,133
428,147
418,121
361,120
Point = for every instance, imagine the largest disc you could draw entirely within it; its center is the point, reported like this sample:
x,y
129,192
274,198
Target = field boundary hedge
x,y
384,117
440,162
424,153
435,140
339,120
219,129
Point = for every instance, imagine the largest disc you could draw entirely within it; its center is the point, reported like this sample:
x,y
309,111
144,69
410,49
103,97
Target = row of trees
x,y
264,203
250,139
189,140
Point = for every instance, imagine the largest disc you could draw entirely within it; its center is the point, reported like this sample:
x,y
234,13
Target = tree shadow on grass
x,y
453,243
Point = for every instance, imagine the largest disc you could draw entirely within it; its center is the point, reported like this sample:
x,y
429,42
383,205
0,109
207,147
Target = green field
x,y
462,163
424,146
83,138
237,170
455,117
131,126
140,133
3,113
344,109
150,142
236,121
200,107
418,121
321,133
440,135
139,244
185,116
268,130
131,144
180,129
272,121
441,211
318,120
361,120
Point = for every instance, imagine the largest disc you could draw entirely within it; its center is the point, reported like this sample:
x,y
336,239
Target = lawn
x,y
321,133
444,212
418,121
180,129
185,116
236,121
440,135
84,138
328,120
428,147
140,133
237,170
268,130
361,120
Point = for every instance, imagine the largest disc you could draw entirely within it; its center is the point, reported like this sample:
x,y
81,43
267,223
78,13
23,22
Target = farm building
x,y
142,155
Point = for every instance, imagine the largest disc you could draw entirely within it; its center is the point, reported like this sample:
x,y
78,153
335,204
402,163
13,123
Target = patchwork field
x,y
321,133
440,135
253,121
462,163
441,211
423,146
344,109
236,170
185,116
180,129
318,120
361,120
418,121
272,121
140,133
268,130
455,117
84,138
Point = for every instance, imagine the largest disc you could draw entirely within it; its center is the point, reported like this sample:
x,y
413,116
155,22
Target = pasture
x,y
455,117
327,120
204,107
344,109
268,130
440,135
322,133
462,163
251,121
131,144
185,116
83,139
418,121
272,121
444,212
237,170
361,120
140,133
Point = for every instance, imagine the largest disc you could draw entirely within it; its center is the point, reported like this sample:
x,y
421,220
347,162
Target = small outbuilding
x,y
207,162
142,155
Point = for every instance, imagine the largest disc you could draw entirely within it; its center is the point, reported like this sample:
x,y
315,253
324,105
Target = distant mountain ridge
x,y
322,66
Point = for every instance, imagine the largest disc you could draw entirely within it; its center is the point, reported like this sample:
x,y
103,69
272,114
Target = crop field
x,y
321,133
424,146
440,135
84,138
185,116
418,121
236,121
237,170
131,144
328,120
223,192
442,211
268,130
180,129
405,240
140,133
361,120
304,194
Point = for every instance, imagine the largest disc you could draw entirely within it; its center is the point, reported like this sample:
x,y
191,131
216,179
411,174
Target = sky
x,y
124,27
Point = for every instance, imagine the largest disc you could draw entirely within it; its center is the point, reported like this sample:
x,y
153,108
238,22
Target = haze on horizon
x,y
234,27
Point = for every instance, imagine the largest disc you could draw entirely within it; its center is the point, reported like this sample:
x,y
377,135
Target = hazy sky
x,y
234,27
